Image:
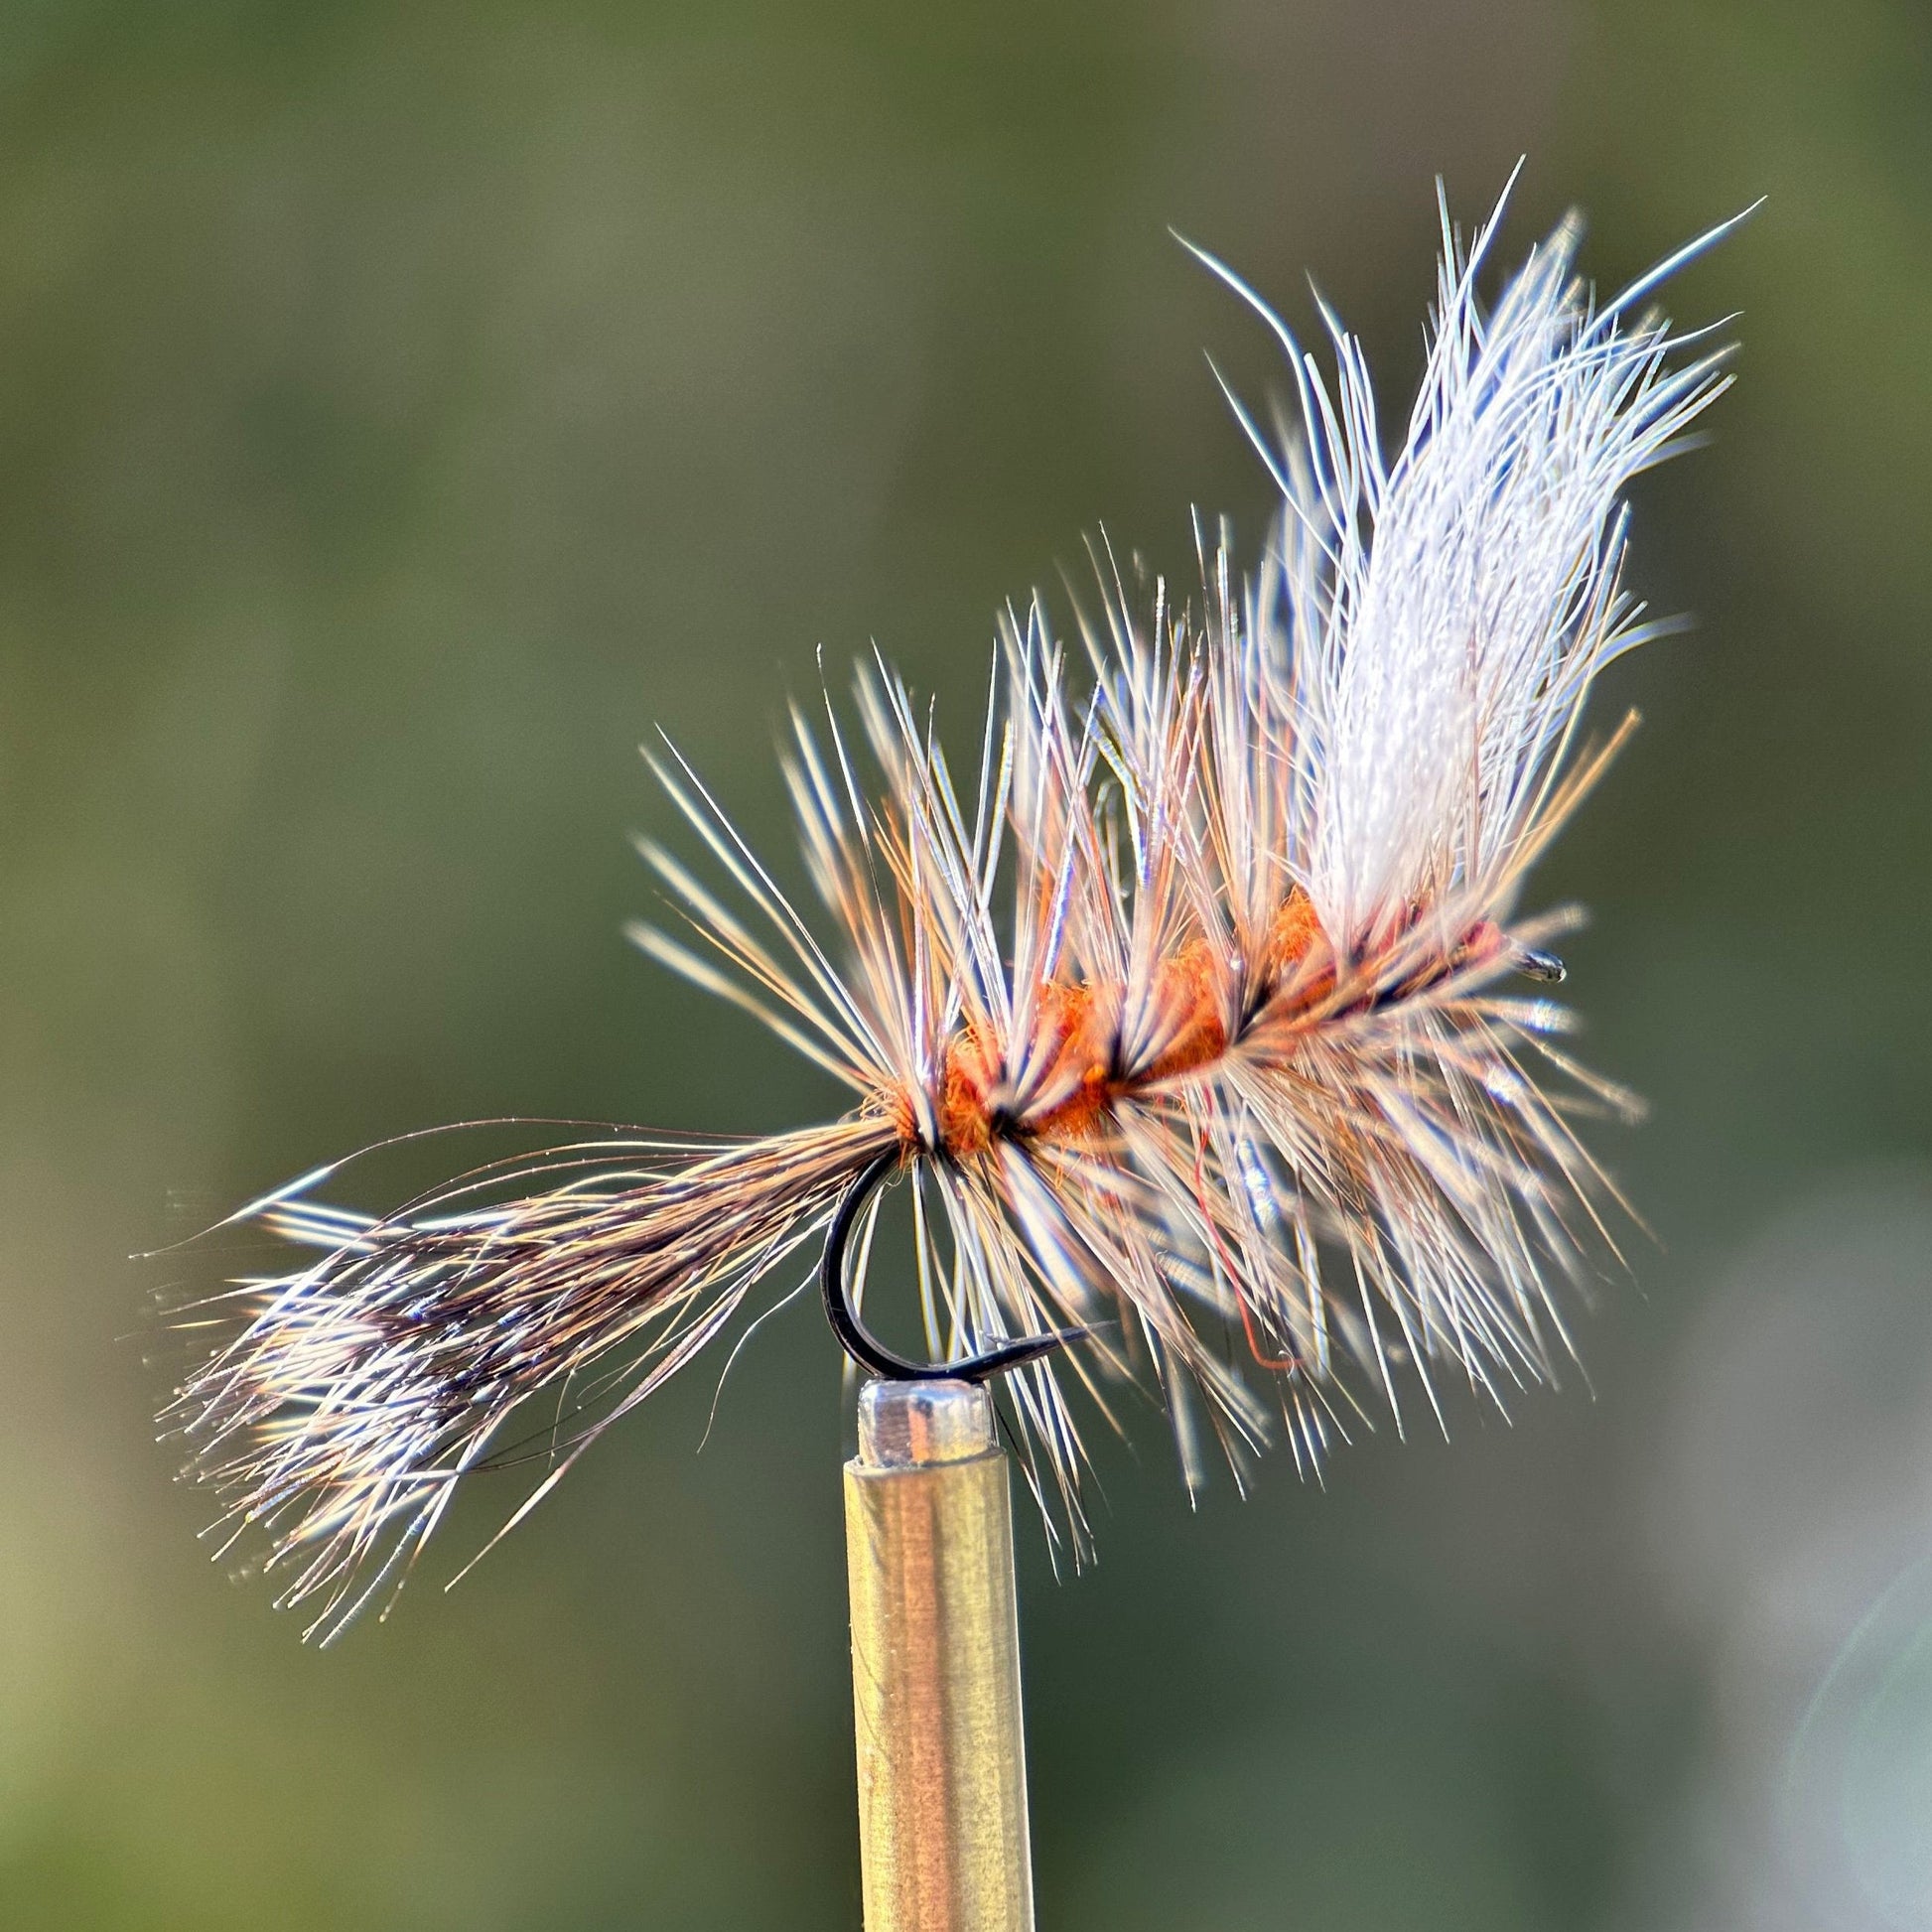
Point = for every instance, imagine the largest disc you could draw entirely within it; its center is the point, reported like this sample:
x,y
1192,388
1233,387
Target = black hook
x,y
872,1355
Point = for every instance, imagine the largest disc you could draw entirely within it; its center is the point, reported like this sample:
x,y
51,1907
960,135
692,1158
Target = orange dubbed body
x,y
1061,1081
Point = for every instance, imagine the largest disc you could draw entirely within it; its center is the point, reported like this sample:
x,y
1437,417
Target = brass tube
x,y
936,1665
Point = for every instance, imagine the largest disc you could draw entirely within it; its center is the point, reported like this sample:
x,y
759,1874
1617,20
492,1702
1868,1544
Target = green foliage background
x,y
405,409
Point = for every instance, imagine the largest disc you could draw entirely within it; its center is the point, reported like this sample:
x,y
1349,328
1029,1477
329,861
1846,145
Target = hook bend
x,y
864,1347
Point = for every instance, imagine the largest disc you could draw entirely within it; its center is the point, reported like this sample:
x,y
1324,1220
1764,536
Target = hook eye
x,y
1534,965
866,1349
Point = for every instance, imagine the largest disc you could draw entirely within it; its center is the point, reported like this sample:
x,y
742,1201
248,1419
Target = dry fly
x,y
1186,1019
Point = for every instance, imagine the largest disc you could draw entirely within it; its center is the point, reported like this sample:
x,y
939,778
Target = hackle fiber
x,y
1193,1016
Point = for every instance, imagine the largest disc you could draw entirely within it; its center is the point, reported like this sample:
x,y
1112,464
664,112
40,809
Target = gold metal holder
x,y
936,1665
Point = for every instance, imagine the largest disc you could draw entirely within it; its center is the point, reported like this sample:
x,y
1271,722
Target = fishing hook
x,y
865,1348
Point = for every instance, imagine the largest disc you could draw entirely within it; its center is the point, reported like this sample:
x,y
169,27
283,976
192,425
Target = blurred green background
x,y
403,410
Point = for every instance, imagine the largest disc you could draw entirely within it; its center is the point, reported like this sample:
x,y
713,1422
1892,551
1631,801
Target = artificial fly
x,y
1189,1028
